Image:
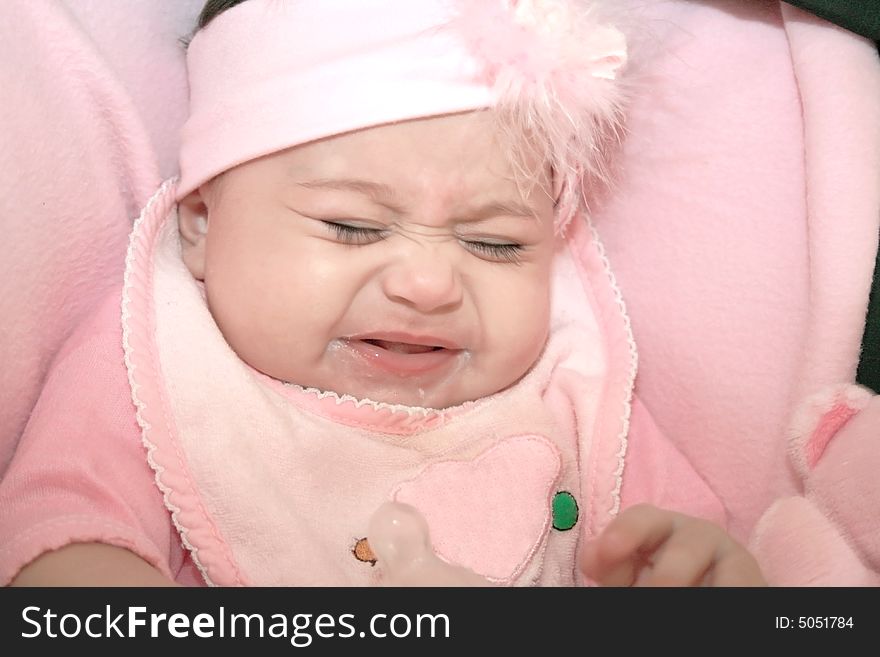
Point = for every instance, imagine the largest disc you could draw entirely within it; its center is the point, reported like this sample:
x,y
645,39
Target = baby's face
x,y
400,263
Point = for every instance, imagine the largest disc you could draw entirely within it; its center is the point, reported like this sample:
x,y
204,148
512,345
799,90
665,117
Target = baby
x,y
375,282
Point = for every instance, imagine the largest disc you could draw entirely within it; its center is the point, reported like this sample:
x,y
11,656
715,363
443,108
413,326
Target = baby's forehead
x,y
458,155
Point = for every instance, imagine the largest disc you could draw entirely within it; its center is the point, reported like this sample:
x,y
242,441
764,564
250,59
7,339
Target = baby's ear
x,y
193,223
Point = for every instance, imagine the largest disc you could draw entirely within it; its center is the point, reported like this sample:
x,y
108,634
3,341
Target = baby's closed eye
x,y
495,249
355,234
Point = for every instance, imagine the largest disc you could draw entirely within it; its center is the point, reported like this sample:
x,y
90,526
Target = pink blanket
x,y
93,95
744,230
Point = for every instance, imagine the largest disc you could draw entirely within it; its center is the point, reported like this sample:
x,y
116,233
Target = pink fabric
x,y
265,76
818,419
797,545
174,477
833,448
254,98
90,116
459,498
839,83
80,473
139,45
842,484
830,425
660,471
744,252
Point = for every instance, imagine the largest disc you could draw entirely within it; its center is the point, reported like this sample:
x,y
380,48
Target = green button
x,y
565,511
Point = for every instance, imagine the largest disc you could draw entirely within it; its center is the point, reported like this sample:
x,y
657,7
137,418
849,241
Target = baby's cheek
x,y
521,324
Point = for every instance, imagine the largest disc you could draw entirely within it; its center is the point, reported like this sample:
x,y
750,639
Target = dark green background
x,y
860,16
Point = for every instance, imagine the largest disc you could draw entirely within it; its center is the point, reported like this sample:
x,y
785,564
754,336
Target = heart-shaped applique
x,y
489,514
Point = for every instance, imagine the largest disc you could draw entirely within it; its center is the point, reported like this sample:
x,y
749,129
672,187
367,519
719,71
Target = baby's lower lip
x,y
401,358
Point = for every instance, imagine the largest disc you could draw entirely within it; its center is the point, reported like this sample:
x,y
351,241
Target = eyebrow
x,y
385,195
378,192
501,208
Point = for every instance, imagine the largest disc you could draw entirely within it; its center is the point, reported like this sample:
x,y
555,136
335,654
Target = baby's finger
x,y
687,557
736,567
601,571
615,557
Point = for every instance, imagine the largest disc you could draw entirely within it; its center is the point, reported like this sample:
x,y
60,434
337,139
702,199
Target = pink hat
x,y
270,74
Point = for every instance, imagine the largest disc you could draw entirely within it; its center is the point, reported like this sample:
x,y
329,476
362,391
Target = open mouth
x,y
403,347
397,355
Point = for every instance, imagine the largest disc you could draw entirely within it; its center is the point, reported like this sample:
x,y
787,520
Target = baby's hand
x,y
647,546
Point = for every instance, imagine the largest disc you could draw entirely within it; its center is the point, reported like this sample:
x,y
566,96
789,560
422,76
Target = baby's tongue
x,y
401,347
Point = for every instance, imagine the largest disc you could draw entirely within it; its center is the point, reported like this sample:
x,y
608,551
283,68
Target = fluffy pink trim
x,y
553,67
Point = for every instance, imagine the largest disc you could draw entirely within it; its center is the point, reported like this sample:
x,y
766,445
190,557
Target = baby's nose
x,y
425,280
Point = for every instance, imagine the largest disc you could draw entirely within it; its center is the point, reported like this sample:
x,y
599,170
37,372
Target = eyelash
x,y
505,252
354,234
362,236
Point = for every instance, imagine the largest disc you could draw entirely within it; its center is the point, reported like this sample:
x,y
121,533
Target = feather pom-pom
x,y
553,68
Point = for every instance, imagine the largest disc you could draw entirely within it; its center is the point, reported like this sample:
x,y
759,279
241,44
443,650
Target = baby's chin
x,y
458,387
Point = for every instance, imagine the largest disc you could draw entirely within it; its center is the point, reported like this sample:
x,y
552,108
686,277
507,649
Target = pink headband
x,y
270,74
